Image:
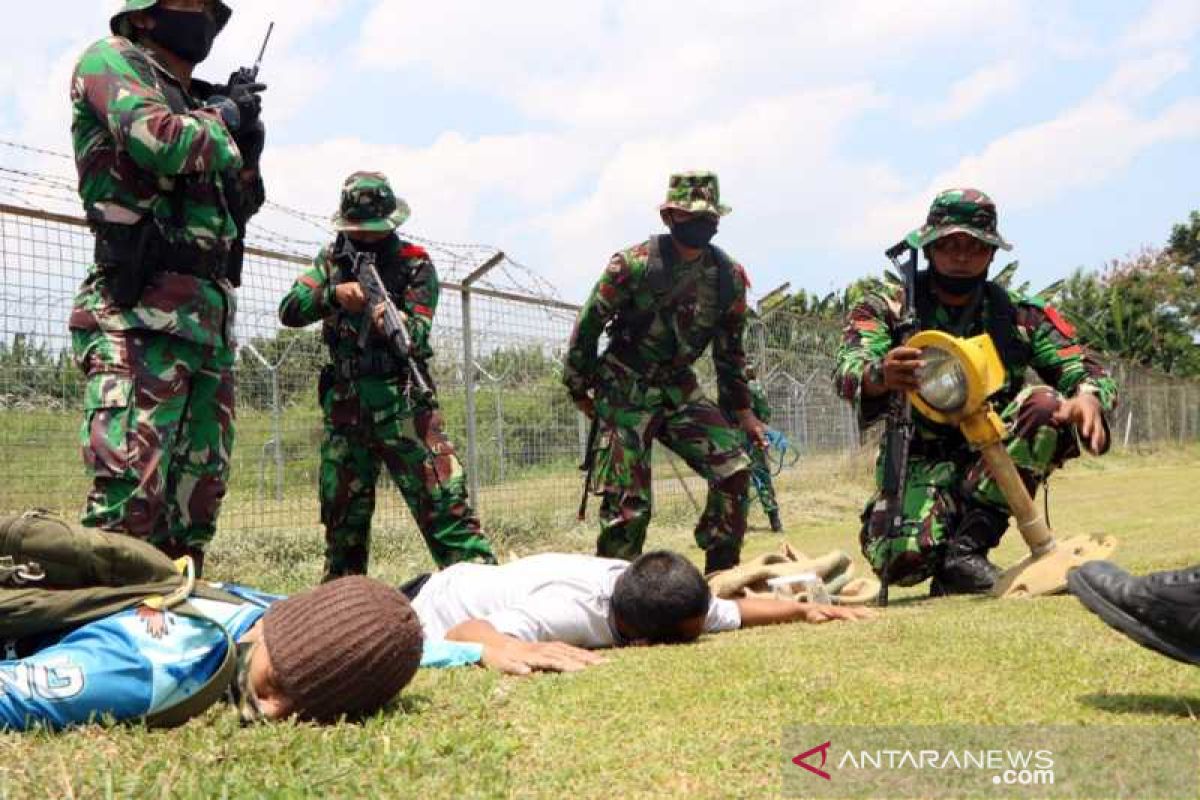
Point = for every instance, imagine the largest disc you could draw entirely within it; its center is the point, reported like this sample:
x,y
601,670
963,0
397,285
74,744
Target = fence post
x,y
469,376
1183,415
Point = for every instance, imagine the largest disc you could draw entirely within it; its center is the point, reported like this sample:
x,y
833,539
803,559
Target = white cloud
x,y
973,92
631,65
779,166
445,183
1167,22
1079,150
38,71
1142,77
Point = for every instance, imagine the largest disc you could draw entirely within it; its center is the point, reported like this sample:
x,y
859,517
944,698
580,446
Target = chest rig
x,y
659,279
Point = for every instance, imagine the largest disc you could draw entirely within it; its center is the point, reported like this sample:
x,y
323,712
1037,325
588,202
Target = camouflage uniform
x,y
644,386
760,470
370,414
157,168
946,479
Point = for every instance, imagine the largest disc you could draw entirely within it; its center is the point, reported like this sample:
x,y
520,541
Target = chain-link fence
x,y
518,434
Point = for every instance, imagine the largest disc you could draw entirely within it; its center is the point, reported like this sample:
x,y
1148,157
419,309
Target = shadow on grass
x,y
1158,704
410,703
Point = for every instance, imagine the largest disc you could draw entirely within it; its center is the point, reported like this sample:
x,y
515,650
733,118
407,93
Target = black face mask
x,y
955,285
695,232
378,248
187,34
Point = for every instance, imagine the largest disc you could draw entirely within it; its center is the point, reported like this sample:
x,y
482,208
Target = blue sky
x,y
549,129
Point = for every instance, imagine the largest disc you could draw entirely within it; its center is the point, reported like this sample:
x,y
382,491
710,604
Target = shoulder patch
x,y
1064,327
741,273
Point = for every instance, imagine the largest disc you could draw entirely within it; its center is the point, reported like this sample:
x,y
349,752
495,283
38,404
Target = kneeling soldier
x,y
953,512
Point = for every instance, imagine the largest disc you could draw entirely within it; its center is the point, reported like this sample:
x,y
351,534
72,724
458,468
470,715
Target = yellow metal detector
x,y
958,378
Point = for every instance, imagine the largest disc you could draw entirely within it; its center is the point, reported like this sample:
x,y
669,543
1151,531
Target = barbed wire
x,y
40,150
30,188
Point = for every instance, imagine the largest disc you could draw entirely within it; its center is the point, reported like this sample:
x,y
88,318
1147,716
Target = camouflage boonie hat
x,y
119,24
369,205
967,211
697,192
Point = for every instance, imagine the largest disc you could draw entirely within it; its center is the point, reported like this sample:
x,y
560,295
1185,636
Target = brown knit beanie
x,y
346,647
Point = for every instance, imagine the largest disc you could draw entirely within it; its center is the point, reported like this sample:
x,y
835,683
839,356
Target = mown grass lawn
x,y
698,721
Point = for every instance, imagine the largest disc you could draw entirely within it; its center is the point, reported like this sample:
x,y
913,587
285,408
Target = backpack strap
x,y
1002,326
208,694
725,284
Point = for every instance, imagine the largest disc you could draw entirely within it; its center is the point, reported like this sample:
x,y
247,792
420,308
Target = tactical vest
x,y
370,355
631,324
133,252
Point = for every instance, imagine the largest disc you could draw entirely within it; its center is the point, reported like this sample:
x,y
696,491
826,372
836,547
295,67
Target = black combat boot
x,y
350,560
722,556
965,568
1160,611
776,524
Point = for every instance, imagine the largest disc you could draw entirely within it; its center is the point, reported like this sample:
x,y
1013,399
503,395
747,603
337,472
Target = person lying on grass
x,y
99,626
547,612
344,649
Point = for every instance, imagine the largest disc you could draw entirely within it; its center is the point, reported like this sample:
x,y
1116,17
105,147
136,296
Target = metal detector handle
x,y
1033,527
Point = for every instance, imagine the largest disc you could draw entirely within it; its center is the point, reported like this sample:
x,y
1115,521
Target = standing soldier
x,y
663,301
168,174
366,393
953,512
760,470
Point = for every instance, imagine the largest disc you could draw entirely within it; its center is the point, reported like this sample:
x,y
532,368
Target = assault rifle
x,y
588,467
899,433
392,322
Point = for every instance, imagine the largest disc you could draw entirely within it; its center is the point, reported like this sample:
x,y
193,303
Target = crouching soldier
x,y
663,302
953,512
372,411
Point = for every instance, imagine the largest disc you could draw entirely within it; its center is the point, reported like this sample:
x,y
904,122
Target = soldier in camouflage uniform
x,y
953,512
371,414
662,302
760,470
168,175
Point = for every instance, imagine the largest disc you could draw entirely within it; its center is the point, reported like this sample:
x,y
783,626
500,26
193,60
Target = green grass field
x,y
696,721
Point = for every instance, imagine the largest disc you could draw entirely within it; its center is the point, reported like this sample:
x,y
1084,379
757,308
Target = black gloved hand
x,y
241,106
251,140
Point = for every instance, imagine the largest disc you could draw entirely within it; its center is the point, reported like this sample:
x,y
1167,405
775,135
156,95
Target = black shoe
x,y
965,568
776,524
1160,611
722,556
965,574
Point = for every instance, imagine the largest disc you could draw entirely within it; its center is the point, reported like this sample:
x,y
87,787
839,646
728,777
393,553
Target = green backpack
x,y
55,577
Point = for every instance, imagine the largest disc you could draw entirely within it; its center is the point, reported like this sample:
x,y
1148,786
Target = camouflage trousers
x,y
371,422
940,490
760,478
692,426
157,433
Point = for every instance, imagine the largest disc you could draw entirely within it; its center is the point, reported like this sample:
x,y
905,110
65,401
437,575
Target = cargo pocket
x,y
339,400
108,436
